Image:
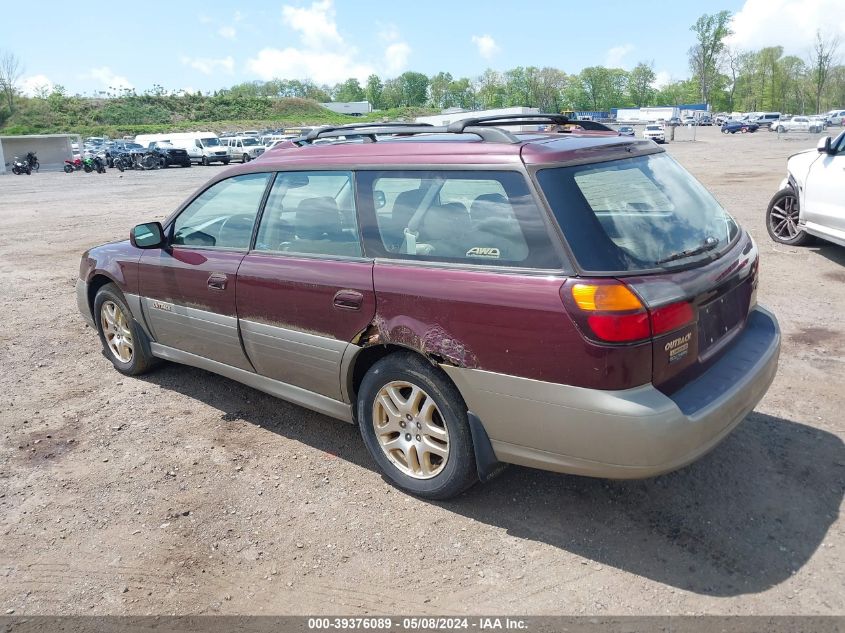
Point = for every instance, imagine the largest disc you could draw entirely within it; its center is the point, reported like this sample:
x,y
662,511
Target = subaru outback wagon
x,y
466,295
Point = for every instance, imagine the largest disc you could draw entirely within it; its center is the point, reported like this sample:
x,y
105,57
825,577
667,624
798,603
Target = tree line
x,y
727,78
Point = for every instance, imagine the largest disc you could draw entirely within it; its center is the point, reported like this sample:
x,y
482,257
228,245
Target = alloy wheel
x,y
410,430
116,331
783,218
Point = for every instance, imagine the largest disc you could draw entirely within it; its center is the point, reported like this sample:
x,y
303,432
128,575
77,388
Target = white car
x,y
798,124
811,199
655,132
835,117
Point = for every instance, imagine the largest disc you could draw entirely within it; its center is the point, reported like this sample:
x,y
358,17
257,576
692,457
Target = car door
x,y
824,196
188,288
305,291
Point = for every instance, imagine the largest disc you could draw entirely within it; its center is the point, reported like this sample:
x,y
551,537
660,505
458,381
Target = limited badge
x,y
158,305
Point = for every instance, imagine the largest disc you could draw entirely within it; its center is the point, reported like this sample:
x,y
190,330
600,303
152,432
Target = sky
x,y
89,47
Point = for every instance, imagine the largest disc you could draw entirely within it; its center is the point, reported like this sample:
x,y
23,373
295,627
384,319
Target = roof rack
x,y
487,128
525,119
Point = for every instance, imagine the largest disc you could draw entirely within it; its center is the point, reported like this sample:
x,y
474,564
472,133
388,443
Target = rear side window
x,y
469,217
310,213
635,214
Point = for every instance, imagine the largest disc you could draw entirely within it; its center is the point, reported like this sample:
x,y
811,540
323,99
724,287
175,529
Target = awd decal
x,y
484,251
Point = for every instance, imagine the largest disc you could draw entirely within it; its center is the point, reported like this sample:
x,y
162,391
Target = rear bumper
x,y
633,433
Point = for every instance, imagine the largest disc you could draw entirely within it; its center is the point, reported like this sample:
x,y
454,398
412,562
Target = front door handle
x,y
217,281
348,299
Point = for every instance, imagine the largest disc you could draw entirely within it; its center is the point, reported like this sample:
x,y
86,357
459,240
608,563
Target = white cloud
x,y
616,55
228,32
486,45
661,78
238,16
316,25
208,65
31,85
204,19
324,56
396,58
788,23
319,66
108,78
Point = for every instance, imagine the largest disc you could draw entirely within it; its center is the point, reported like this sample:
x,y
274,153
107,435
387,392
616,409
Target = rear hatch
x,y
659,259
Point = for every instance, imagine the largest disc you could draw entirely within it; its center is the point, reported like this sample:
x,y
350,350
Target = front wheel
x,y
726,131
123,339
781,129
782,219
119,165
414,424
68,169
245,158
36,165
205,161
16,170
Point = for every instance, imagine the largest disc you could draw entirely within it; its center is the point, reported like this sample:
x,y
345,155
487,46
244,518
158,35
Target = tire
x,y
245,158
205,161
130,335
782,219
36,165
119,165
436,476
726,131
781,129
88,169
28,170
226,161
68,169
16,171
188,164
744,130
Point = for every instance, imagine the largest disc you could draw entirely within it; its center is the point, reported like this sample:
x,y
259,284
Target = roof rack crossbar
x,y
524,119
370,132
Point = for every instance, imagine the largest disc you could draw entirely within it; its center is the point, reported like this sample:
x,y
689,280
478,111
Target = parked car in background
x,y
626,130
655,132
170,154
243,148
764,119
689,120
115,148
835,117
798,124
705,120
733,126
811,199
674,122
614,332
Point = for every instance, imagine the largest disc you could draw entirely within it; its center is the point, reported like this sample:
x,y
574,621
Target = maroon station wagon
x,y
468,295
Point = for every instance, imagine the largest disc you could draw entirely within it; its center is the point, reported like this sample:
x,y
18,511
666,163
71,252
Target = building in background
x,y
52,149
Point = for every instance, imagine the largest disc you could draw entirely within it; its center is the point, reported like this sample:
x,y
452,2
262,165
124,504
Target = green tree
x,y
349,90
640,84
822,59
414,88
373,91
706,55
490,89
10,71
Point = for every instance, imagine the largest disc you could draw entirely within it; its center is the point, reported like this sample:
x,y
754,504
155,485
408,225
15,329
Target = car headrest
x,y
318,218
405,206
489,205
444,222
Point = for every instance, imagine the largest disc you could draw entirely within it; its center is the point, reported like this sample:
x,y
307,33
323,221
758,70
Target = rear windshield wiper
x,y
708,244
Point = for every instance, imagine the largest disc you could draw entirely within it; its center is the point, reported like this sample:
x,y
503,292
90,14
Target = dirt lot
x,y
183,492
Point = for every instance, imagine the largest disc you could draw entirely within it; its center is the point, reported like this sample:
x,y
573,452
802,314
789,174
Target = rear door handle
x,y
217,281
348,299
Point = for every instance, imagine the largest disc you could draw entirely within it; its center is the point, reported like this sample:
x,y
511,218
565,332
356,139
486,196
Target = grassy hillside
x,y
142,114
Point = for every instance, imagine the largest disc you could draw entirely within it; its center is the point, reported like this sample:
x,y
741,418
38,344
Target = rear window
x,y
636,214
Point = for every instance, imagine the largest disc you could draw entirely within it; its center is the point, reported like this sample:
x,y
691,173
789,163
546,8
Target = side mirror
x,y
824,145
149,235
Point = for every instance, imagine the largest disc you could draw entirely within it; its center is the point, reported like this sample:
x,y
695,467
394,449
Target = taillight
x,y
612,312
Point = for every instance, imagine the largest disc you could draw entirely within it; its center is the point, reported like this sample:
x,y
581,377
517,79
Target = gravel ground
x,y
183,492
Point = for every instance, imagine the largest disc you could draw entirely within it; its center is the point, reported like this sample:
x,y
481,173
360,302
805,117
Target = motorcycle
x,y
32,161
20,167
95,163
122,161
73,165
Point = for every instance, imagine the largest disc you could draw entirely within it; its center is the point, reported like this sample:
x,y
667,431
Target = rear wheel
x,y
414,424
781,129
245,158
123,339
36,165
782,219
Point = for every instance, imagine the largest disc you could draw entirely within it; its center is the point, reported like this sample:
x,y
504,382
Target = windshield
x,y
632,214
250,141
652,127
211,141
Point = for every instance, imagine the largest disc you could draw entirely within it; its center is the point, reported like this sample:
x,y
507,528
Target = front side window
x,y
223,215
310,213
635,214
470,217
